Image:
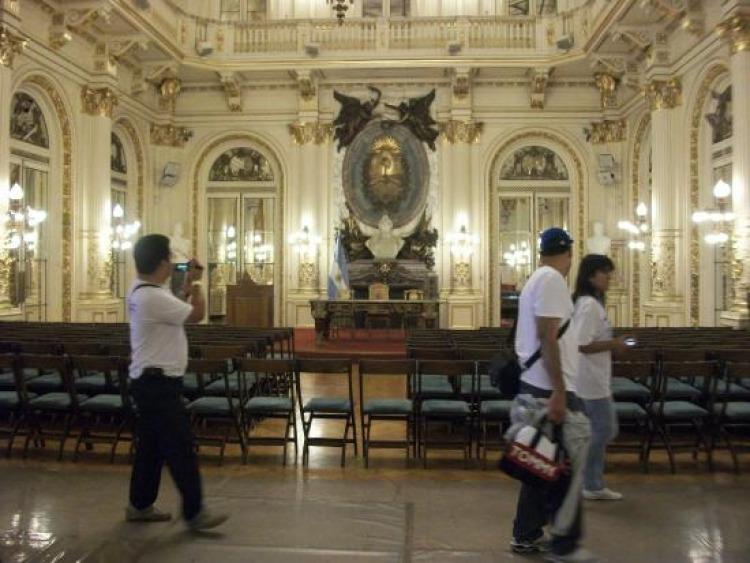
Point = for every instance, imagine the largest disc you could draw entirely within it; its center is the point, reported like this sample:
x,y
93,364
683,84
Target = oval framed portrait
x,y
386,172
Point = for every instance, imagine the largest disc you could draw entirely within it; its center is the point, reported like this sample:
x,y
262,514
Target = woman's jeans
x,y
604,428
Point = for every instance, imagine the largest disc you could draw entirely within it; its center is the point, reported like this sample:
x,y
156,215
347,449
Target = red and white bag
x,y
535,458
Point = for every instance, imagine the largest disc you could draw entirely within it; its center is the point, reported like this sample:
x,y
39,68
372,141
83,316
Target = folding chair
x,y
54,404
392,409
269,394
105,417
452,409
213,411
328,406
633,395
13,402
731,413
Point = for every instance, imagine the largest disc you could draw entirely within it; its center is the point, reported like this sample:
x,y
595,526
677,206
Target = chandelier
x,y
720,217
637,230
340,7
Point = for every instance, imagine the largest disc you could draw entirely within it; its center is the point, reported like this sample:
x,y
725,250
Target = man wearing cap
x,y
545,324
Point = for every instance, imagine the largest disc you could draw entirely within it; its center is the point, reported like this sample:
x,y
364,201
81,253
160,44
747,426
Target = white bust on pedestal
x,y
179,245
599,243
384,243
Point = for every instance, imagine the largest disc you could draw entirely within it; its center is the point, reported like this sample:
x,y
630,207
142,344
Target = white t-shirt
x,y
157,334
546,295
595,370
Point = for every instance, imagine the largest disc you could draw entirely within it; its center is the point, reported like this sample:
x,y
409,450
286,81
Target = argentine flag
x,y
338,275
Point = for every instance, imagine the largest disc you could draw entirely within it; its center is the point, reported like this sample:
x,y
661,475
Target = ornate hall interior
x,y
417,148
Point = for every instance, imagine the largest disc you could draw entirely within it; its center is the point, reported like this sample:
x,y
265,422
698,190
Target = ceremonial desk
x,y
424,311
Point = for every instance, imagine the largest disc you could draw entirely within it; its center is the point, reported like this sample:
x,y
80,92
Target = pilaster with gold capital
x,y
10,46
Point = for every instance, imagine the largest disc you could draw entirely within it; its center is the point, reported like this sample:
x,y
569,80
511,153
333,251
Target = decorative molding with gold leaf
x,y
455,131
304,132
538,86
664,94
607,131
170,135
736,30
135,139
98,101
640,135
607,85
169,89
10,46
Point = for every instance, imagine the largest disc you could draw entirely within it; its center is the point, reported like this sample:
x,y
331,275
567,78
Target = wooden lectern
x,y
250,304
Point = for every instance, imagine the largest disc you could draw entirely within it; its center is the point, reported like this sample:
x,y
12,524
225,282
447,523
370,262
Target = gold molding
x,y
169,89
461,86
636,181
307,89
696,120
10,46
169,135
607,131
98,102
67,190
133,134
664,94
736,30
607,85
531,136
455,131
304,132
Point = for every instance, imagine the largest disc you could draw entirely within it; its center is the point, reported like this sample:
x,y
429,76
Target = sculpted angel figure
x,y
353,116
415,114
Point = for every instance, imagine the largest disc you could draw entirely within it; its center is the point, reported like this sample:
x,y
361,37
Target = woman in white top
x,y
593,384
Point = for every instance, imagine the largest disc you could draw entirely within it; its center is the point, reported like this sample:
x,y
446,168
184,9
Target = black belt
x,y
572,401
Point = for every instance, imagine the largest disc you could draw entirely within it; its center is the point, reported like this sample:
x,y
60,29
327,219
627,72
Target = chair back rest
x,y
734,355
83,348
708,370
446,353
644,372
391,368
273,377
221,352
683,354
450,368
118,350
327,368
378,291
41,348
735,372
479,354
59,364
636,355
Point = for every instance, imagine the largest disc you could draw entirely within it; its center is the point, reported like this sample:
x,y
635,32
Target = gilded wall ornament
x,y
461,276
306,88
170,135
534,163
720,119
664,94
635,179
607,85
736,30
10,46
538,87
461,86
241,164
663,264
117,161
606,131
99,101
307,275
169,89
455,131
304,132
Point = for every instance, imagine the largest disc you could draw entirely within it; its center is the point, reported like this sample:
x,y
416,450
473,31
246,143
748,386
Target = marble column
x,y
665,306
94,285
736,30
10,46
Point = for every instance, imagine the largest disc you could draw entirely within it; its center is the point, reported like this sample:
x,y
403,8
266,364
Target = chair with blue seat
x,y
453,409
208,413
390,409
13,402
670,414
687,386
216,387
736,355
95,374
272,399
51,404
633,390
329,373
731,413
107,417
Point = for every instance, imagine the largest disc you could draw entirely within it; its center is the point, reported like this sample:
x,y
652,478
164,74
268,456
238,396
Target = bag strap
x,y
139,286
538,354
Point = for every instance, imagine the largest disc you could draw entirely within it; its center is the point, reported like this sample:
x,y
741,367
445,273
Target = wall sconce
x,y
306,244
340,7
462,246
719,216
638,229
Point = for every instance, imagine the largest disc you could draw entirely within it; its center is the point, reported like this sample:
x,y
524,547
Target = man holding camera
x,y
159,351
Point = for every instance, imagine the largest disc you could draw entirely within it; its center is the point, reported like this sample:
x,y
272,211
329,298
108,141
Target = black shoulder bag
x,y
505,370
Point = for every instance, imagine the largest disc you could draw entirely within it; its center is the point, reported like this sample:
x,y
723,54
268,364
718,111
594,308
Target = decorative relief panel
x,y
534,163
241,165
117,162
27,122
455,131
736,30
606,131
170,135
664,94
304,132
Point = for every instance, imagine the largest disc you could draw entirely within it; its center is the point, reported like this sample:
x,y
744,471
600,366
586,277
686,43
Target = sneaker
x,y
579,555
205,520
539,545
602,494
149,514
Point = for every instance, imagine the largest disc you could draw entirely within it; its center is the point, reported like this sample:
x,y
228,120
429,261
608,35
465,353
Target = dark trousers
x,y
163,436
559,503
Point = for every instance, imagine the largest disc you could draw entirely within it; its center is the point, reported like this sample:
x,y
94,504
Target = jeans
x,y
561,504
604,428
163,436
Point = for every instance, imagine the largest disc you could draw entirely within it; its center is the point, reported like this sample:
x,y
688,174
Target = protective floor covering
x,y
73,512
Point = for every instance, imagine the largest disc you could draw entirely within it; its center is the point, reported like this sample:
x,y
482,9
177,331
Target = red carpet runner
x,y
361,343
